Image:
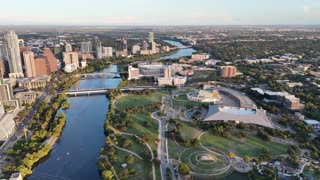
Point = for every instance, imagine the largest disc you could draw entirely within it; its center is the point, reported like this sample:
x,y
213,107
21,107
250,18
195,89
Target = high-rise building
x,y
153,47
135,49
151,37
15,64
57,50
228,71
122,47
86,47
107,52
51,59
3,51
21,43
4,65
29,64
68,48
42,66
99,50
145,45
5,90
71,58
167,72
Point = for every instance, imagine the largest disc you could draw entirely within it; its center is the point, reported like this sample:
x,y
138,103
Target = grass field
x,y
249,146
140,129
136,146
143,168
189,132
182,101
174,149
202,161
131,101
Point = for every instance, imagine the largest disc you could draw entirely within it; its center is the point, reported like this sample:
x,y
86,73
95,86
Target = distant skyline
x,y
156,12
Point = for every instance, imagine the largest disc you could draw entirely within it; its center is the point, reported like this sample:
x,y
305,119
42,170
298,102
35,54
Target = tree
x,y
107,175
184,169
247,159
130,159
232,155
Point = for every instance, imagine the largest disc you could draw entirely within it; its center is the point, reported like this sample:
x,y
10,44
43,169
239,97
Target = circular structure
x,y
205,162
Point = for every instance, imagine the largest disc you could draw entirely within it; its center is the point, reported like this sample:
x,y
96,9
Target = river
x,y
75,155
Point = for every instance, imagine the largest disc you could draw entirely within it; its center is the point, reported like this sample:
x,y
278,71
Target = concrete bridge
x,y
101,75
103,91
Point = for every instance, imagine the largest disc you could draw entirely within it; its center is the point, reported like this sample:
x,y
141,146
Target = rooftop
x,y
245,115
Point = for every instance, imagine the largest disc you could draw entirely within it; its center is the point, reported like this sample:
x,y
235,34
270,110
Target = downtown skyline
x,y
151,12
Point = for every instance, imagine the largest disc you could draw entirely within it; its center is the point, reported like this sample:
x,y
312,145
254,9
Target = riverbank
x,y
27,152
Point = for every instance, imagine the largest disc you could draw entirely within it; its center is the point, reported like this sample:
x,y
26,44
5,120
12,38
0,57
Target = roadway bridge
x,y
103,91
181,47
102,75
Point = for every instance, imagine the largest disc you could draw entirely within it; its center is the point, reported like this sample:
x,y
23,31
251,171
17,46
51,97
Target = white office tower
x,y
151,37
15,64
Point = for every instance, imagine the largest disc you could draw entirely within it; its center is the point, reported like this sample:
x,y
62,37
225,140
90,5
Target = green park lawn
x,y
182,101
131,101
249,146
136,146
143,168
174,149
140,129
189,132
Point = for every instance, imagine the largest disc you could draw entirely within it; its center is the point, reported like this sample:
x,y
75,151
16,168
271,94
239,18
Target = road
x,y
25,123
163,153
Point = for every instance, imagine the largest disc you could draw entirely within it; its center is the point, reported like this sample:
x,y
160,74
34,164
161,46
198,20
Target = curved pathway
x,y
131,152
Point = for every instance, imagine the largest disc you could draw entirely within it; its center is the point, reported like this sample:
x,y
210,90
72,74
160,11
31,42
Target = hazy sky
x,y
159,12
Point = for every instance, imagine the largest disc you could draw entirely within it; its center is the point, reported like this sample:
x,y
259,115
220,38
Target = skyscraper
x,y
122,47
3,51
86,47
15,64
151,37
71,58
51,59
68,47
5,90
29,63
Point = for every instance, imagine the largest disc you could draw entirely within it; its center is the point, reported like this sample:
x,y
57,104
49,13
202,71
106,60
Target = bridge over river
x,y
99,91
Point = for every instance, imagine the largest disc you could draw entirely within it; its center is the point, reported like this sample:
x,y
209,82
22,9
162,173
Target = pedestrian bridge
x,y
103,91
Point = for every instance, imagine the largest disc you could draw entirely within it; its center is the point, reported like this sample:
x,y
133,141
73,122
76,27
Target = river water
x,y
75,155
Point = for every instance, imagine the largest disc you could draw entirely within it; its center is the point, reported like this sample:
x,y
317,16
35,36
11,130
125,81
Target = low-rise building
x,y
205,96
26,97
313,123
70,67
16,176
134,73
34,83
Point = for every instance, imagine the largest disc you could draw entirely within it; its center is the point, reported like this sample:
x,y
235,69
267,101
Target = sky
x,y
159,12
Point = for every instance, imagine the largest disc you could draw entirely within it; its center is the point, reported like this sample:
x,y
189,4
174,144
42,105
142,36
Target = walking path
x,y
127,151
